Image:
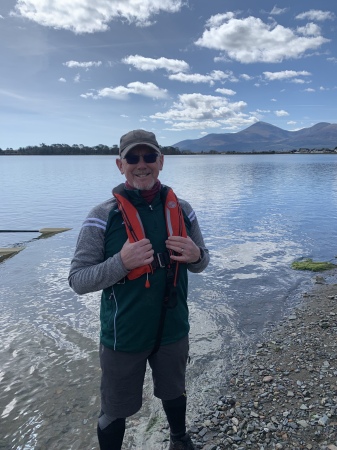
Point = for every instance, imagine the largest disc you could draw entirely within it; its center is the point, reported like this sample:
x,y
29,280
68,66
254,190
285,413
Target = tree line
x,y
65,149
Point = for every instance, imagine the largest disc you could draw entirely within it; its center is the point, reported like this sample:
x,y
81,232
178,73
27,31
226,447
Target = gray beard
x,y
146,188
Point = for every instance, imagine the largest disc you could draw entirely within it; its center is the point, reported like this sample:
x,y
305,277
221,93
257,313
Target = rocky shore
x,y
284,395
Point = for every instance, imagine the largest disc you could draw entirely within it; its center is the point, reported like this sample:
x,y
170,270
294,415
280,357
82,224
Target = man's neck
x,y
147,194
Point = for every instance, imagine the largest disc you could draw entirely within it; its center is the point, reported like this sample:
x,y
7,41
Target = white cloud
x,y
218,19
332,59
246,77
77,78
285,74
251,40
215,75
281,113
239,121
225,91
316,14
13,95
277,11
299,81
221,58
170,65
198,111
62,80
194,125
83,65
123,92
310,29
309,90
291,122
89,16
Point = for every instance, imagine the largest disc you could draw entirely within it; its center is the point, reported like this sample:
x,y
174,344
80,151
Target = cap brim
x,y
131,146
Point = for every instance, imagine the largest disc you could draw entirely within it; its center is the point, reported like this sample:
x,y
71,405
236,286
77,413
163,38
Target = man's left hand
x,y
187,251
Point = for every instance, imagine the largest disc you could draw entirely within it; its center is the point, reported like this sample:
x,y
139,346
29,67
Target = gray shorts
x,y
123,376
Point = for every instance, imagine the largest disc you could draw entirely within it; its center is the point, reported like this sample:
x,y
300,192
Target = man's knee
x,y
110,424
178,402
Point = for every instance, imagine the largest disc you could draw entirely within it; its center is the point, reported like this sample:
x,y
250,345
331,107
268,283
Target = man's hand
x,y
188,251
137,254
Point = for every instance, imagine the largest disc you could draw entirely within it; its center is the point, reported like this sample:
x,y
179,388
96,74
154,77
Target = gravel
x,y
284,395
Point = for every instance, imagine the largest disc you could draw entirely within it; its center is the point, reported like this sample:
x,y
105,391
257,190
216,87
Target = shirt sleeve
x,y
197,238
89,271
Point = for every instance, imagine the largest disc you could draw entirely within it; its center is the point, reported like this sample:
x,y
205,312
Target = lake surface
x,y
258,213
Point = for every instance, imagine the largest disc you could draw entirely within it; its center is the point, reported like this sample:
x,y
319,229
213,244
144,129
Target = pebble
x,y
284,395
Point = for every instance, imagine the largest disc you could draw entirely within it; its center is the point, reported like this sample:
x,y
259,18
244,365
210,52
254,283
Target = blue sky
x,y
87,71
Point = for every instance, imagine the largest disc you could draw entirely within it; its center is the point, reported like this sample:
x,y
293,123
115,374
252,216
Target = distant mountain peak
x,y
263,136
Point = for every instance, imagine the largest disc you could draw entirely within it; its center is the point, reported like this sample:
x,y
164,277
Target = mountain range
x,y
262,137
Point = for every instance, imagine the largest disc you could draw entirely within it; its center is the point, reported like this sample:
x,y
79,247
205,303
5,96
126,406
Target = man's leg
x,y
110,432
121,394
168,371
176,415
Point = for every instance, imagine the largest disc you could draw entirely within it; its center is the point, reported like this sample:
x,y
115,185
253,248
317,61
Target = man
x,y
137,248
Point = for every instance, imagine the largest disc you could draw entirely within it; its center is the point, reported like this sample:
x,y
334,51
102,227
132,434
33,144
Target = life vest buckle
x,y
161,260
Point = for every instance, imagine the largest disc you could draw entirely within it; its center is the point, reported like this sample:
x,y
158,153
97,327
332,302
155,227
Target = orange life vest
x,y
175,224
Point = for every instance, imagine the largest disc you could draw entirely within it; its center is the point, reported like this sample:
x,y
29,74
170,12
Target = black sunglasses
x,y
148,158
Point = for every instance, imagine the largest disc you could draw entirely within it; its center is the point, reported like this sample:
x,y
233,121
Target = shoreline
x,y
300,151
283,395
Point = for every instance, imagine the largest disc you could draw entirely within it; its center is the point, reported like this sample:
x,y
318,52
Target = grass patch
x,y
152,422
314,266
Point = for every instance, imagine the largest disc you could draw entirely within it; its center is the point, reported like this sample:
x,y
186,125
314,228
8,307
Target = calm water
x,y
257,213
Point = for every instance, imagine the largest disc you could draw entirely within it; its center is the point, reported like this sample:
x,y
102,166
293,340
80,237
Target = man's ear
x,y
161,160
119,164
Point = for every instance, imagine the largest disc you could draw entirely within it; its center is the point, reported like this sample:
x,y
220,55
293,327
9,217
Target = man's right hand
x,y
137,254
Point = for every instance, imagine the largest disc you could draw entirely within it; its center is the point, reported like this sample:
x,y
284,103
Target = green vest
x,y
130,312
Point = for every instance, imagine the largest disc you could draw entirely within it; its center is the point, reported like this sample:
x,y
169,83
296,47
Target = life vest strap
x,y
175,226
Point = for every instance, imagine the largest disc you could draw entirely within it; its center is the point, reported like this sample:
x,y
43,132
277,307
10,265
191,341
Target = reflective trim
x,y
192,216
168,222
94,222
112,295
93,225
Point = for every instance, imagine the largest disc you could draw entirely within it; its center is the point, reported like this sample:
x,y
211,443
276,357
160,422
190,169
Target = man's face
x,y
141,175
